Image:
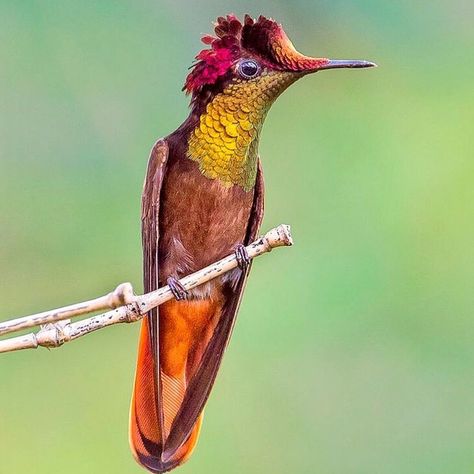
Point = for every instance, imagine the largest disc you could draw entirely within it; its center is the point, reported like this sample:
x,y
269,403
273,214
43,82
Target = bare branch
x,y
122,295
125,306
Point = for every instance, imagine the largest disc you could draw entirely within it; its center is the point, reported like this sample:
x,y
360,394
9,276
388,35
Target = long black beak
x,y
344,63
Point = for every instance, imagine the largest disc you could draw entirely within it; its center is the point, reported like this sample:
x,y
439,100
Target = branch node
x,y
121,296
133,313
54,335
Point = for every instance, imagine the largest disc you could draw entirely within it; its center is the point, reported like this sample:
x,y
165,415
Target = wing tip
x,y
167,459
155,465
153,462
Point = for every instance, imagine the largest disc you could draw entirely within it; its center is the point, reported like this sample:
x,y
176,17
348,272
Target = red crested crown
x,y
263,38
214,62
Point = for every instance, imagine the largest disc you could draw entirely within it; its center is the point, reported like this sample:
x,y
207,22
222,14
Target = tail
x,y
155,403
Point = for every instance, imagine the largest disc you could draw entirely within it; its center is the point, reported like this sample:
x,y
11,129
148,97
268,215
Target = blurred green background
x,y
353,351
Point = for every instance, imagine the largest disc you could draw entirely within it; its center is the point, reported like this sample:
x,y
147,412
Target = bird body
x,y
203,197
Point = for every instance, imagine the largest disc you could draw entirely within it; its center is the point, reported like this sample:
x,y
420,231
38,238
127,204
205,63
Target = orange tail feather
x,y
185,330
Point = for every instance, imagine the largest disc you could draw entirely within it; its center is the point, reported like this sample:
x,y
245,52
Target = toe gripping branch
x,y
177,288
243,258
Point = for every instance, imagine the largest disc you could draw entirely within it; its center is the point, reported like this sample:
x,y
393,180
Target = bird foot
x,y
179,291
242,256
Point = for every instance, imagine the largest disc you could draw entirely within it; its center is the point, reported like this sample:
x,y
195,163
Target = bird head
x,y
257,55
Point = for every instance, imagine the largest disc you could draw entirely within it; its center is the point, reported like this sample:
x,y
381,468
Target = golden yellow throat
x,y
225,144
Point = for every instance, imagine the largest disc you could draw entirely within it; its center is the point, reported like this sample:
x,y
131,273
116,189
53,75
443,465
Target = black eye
x,y
248,68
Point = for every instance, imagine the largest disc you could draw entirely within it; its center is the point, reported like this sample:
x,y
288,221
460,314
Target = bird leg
x,y
242,256
179,291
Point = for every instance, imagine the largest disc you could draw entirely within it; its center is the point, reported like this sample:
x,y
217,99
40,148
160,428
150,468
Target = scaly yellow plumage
x,y
226,140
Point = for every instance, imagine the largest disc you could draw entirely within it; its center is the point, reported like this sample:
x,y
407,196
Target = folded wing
x,y
175,369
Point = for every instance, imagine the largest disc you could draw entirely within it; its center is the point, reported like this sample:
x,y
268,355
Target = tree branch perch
x,y
125,307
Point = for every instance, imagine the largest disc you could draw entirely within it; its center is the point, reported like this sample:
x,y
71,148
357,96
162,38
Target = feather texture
x,y
181,345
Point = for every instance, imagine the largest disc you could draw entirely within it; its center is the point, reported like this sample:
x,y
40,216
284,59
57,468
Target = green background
x,y
354,350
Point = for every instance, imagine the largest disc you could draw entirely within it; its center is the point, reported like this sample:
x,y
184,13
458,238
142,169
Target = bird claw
x,y
242,256
179,291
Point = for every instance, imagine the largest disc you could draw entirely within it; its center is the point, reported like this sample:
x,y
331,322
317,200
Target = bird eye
x,y
248,68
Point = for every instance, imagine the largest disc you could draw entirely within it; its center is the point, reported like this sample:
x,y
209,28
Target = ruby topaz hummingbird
x,y
202,200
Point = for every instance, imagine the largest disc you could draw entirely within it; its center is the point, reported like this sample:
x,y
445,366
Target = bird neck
x,y
225,140
227,123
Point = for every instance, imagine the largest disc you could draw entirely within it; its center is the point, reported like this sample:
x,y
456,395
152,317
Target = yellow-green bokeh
x,y
353,352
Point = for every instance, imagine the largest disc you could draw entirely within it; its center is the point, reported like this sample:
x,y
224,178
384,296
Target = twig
x,y
122,295
126,307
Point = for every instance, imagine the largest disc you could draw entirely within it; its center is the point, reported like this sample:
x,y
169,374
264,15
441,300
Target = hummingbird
x,y
203,200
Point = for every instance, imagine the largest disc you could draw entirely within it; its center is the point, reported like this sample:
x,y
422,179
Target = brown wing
x,y
202,381
146,438
150,228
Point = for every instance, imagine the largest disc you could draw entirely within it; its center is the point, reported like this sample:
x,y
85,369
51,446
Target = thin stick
x,y
122,295
59,329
